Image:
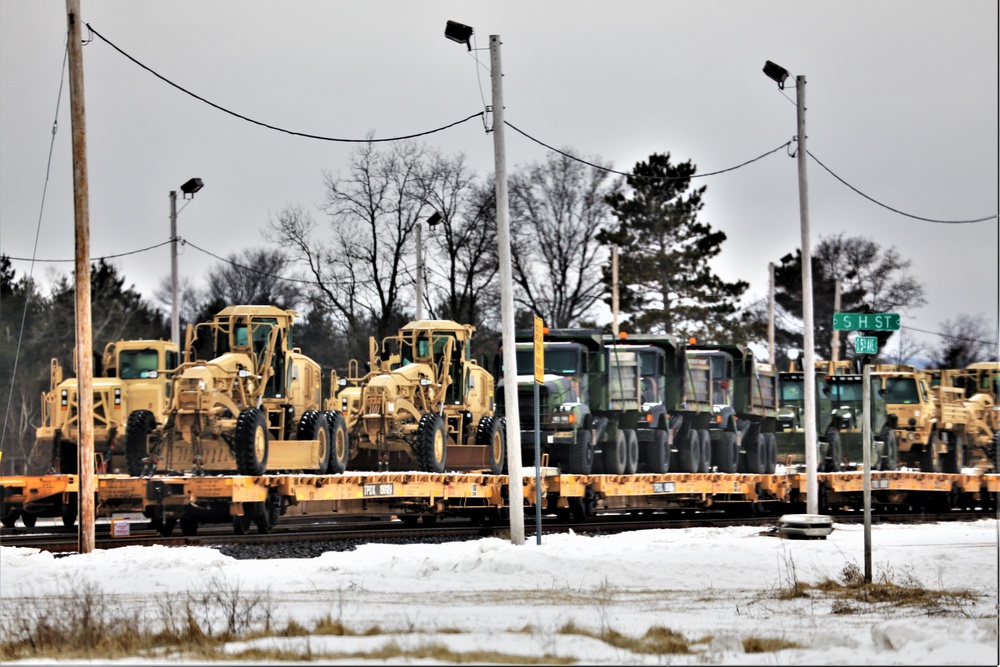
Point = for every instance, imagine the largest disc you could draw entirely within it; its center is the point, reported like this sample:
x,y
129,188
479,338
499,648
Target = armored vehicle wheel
x,y
888,461
631,451
930,459
432,443
490,433
339,442
616,454
706,450
772,453
954,458
832,462
657,455
581,454
725,456
251,442
140,424
689,451
314,426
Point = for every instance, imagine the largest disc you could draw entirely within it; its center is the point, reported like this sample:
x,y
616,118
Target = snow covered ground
x,y
717,587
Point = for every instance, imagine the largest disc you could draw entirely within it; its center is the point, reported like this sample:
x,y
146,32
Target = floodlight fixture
x,y
787,258
776,72
434,219
458,32
192,186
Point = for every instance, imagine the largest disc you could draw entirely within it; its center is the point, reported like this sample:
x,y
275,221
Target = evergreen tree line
x,y
352,275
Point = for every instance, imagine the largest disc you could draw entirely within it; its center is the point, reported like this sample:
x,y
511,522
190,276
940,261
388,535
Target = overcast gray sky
x,y
901,103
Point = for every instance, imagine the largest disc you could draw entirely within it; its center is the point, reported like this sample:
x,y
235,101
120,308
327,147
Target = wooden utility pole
x,y
84,347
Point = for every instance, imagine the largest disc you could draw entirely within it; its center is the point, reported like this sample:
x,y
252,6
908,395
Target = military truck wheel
x,y
432,443
891,451
631,452
616,454
954,458
657,455
705,440
772,453
490,433
930,459
581,454
140,424
339,442
314,426
689,452
251,442
756,450
725,456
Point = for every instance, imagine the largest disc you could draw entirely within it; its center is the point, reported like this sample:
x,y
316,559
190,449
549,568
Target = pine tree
x,y
665,281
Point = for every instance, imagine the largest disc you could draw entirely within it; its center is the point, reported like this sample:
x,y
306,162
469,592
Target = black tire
x,y
930,459
140,424
689,452
705,440
756,449
340,443
432,443
725,455
616,454
656,458
631,452
251,442
581,454
832,459
314,426
490,433
954,458
891,460
995,454
772,453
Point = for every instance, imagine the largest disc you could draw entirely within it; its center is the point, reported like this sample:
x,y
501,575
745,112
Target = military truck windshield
x,y
791,390
136,364
564,361
901,390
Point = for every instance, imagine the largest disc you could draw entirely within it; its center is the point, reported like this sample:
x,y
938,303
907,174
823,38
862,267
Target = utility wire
x,y
94,259
272,127
915,217
38,229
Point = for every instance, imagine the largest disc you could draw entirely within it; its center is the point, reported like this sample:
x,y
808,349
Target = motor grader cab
x,y
424,404
244,401
133,374
979,383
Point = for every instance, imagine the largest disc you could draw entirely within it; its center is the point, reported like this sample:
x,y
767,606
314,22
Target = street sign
x,y
866,345
865,322
539,352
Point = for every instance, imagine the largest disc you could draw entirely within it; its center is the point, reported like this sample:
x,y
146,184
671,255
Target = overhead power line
x,y
273,127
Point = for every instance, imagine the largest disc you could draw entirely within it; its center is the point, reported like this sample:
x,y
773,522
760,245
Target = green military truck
x,y
675,411
744,405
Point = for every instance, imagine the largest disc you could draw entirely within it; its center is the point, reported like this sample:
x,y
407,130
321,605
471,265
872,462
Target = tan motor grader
x,y
425,404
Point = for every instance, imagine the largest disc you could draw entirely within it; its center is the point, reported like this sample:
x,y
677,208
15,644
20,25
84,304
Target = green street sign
x,y
865,322
866,345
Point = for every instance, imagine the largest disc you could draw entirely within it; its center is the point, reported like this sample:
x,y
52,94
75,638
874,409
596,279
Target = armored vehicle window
x,y
901,390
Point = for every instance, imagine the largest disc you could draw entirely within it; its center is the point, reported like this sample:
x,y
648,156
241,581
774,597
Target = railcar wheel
x,y
242,522
490,433
616,454
631,452
68,511
267,513
581,453
340,444
689,451
28,519
657,458
314,426
251,442
432,443
166,527
930,458
189,527
140,424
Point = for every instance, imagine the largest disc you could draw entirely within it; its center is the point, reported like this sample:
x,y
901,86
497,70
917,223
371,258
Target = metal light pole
x,y
189,188
770,314
779,74
462,33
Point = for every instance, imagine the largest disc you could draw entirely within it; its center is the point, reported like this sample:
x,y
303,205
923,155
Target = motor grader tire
x,y
432,443
490,433
616,454
140,424
954,458
314,426
340,447
251,442
930,458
